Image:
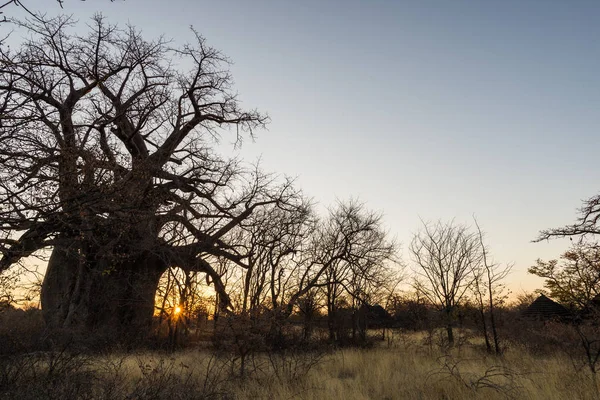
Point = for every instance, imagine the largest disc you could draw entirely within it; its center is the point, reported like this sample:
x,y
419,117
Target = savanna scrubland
x,y
173,271
539,360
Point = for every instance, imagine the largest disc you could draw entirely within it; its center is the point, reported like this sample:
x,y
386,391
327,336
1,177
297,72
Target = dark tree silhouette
x,y
350,256
292,255
574,280
24,6
489,290
106,157
586,224
445,255
4,5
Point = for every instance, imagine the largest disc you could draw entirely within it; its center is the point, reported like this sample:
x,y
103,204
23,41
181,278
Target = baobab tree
x,y
107,159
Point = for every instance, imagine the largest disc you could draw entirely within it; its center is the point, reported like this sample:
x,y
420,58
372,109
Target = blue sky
x,y
422,109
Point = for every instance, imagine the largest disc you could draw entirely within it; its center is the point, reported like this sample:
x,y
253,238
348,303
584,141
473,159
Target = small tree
x,y
445,255
574,279
272,238
358,255
350,241
489,290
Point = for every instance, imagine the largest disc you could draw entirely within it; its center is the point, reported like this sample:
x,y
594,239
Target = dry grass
x,y
402,368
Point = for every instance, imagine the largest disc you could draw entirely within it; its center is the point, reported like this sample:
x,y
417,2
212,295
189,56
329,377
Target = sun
x,y
177,310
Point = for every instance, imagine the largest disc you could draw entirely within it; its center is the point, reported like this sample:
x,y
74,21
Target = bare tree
x,y
308,307
445,255
586,224
352,255
292,256
488,283
17,3
21,4
106,157
274,237
180,302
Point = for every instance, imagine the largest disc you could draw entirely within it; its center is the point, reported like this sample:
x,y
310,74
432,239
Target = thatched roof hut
x,y
544,308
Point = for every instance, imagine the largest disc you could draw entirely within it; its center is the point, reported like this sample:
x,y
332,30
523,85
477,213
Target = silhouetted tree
x,y
586,224
293,255
356,257
489,291
106,157
446,255
273,238
25,6
574,280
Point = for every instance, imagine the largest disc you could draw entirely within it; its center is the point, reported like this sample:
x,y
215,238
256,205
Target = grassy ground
x,y
401,368
411,374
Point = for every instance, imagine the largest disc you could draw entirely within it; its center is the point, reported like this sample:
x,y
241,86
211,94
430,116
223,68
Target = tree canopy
x,y
107,156
108,159
574,279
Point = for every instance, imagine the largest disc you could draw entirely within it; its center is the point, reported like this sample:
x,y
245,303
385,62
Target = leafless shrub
x,y
498,378
159,378
46,375
68,375
170,379
20,331
293,366
241,337
13,368
112,378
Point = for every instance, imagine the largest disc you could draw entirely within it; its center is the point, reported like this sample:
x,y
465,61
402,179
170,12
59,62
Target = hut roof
x,y
375,312
378,312
545,308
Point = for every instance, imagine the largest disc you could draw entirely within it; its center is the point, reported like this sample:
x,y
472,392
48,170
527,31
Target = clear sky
x,y
422,109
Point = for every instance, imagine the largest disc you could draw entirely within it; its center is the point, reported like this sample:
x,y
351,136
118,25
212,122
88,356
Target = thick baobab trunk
x,y
93,295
